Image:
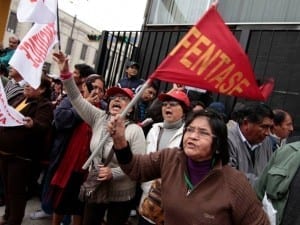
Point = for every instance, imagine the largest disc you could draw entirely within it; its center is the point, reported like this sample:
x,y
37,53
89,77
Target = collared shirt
x,y
279,142
249,146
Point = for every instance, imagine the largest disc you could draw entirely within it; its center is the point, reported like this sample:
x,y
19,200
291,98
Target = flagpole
x,y
58,29
123,115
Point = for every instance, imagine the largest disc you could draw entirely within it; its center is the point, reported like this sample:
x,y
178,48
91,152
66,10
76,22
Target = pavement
x,y
35,204
32,205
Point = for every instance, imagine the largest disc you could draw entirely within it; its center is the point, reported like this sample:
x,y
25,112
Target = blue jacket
x,y
132,83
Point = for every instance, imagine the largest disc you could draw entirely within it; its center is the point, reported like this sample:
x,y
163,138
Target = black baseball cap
x,y
133,63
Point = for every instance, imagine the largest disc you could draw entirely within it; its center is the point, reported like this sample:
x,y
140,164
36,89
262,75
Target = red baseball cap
x,y
117,90
177,95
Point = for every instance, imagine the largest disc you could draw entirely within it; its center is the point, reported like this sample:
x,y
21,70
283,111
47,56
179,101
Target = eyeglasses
x,y
121,97
171,103
199,131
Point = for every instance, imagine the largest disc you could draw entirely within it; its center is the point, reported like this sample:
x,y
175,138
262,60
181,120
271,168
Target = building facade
x,y
73,37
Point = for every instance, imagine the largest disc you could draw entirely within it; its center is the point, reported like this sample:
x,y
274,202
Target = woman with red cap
x,y
175,105
121,187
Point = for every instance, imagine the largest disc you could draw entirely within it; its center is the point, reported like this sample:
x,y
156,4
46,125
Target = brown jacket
x,y
224,196
28,142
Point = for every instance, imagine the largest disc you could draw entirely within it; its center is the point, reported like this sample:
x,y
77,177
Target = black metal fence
x,y
273,53
148,48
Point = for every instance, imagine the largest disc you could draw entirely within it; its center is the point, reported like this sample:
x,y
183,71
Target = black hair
x,y
194,103
219,130
279,116
154,85
3,70
84,70
254,112
57,81
46,84
91,79
236,112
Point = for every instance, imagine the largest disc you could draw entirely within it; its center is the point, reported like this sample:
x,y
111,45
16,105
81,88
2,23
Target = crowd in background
x,y
205,146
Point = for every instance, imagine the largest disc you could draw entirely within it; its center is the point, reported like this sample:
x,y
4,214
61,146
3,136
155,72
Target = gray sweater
x,y
240,157
122,188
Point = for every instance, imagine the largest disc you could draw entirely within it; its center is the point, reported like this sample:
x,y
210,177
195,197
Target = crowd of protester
x,y
213,166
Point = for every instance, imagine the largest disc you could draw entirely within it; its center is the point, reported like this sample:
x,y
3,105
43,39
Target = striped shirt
x,y
13,88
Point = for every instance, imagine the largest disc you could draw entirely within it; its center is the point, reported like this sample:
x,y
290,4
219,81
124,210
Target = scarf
x,y
76,154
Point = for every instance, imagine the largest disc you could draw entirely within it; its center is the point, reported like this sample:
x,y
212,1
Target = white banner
x,y
37,11
9,117
31,53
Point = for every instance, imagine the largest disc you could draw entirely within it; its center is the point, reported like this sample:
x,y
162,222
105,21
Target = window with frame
x,y
12,22
96,57
83,51
69,46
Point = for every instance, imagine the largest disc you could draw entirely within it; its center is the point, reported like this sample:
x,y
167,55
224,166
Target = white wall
x,y
80,32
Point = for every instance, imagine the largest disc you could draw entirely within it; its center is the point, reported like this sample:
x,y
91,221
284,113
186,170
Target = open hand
x,y
62,61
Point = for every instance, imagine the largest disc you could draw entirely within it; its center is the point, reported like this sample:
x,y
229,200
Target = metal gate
x,y
272,52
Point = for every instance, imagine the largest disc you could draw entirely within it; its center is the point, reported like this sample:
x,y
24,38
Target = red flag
x,y
210,57
267,88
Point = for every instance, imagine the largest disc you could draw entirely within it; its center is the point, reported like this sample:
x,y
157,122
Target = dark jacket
x,y
132,83
65,120
28,142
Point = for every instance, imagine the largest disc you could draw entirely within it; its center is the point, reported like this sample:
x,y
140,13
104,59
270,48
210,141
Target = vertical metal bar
x,y
112,62
101,56
119,72
146,49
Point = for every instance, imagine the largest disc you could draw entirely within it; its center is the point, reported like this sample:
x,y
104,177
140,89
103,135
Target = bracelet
x,y
65,76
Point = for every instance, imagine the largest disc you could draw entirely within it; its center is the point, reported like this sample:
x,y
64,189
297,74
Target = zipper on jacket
x,y
188,183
